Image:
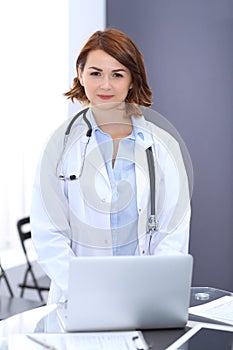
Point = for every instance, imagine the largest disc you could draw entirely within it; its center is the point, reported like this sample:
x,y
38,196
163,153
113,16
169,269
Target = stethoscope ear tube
x,y
66,136
151,167
84,112
152,224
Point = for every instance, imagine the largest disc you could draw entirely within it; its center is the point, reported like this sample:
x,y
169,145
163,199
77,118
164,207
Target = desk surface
x,y
44,319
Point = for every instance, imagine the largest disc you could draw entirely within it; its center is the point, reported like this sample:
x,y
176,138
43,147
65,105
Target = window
x,y
34,76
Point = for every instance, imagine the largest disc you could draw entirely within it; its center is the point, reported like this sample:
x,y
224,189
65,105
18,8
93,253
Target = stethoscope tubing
x,y
152,221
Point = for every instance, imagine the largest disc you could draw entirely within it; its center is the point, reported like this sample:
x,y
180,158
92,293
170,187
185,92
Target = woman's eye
x,y
117,75
95,74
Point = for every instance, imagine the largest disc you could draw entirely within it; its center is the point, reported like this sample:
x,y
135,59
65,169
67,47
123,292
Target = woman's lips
x,y
105,97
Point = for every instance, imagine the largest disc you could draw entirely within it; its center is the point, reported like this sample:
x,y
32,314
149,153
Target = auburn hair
x,y
118,45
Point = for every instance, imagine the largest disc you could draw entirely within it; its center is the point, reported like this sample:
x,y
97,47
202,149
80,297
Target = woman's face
x,y
105,79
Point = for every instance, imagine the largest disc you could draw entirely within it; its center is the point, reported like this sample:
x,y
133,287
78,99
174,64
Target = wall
x,y
188,50
34,75
85,17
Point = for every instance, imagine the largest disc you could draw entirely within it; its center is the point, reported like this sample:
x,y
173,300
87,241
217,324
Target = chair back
x,y
41,283
23,226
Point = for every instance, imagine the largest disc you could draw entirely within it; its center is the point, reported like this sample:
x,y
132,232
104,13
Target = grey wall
x,y
188,51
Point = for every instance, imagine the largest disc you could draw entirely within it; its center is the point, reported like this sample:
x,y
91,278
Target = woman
x,y
92,191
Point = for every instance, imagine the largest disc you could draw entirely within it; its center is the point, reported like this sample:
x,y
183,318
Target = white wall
x,y
34,75
85,17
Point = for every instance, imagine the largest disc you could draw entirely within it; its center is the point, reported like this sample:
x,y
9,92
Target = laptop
x,y
127,293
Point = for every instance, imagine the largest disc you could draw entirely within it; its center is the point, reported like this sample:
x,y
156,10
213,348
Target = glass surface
x,y
209,339
213,294
51,324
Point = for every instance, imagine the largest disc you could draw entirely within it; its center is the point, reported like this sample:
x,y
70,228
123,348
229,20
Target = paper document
x,y
219,310
131,340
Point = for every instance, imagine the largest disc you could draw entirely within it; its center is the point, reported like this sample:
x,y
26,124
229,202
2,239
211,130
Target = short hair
x,y
118,45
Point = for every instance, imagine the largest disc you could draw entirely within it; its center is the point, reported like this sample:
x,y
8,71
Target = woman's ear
x,y
80,76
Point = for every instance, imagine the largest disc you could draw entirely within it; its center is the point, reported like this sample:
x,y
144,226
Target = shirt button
x,y
103,200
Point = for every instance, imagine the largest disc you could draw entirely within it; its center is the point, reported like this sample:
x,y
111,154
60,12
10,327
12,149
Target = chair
x,y
11,305
41,284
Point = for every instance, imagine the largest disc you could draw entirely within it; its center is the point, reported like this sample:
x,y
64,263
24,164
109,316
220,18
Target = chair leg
x,y
24,283
3,275
36,284
29,271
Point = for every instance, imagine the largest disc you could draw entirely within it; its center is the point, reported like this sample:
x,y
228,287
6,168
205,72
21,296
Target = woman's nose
x,y
105,83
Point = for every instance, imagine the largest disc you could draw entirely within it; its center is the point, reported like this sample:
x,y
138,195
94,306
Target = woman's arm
x,y
50,217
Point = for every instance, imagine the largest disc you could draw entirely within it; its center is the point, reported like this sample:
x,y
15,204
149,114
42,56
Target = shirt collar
x,y
138,131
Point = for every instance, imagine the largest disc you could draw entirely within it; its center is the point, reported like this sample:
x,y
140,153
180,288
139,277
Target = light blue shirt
x,y
122,178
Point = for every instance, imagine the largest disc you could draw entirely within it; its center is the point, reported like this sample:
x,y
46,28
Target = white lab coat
x,y
73,217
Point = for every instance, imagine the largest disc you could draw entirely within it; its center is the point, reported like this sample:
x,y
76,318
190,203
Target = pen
x,y
42,343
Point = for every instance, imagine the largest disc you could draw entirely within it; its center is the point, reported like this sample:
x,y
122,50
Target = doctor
x,y
93,192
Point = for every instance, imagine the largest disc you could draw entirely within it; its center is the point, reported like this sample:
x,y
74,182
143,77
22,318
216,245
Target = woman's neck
x,y
113,120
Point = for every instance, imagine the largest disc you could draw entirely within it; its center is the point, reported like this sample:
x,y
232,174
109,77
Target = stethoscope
x,y
153,224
